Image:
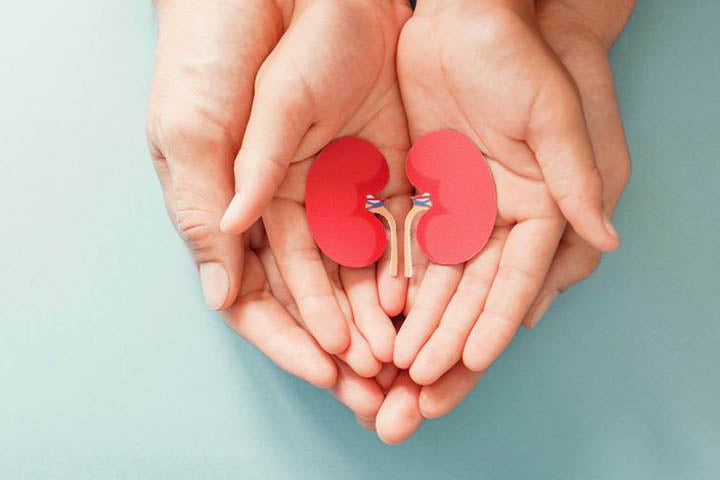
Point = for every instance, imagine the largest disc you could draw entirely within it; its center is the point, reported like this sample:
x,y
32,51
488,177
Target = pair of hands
x,y
259,87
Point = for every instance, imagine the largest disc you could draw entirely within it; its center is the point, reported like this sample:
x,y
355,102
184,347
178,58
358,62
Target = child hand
x,y
332,74
484,71
581,36
204,83
266,315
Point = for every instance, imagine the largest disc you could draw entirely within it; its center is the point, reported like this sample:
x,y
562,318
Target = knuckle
x,y
291,91
590,265
515,274
497,24
624,170
475,282
150,125
583,270
572,190
182,131
304,255
190,126
455,335
197,227
431,406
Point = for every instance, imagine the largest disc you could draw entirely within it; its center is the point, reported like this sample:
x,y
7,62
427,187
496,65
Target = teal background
x,y
111,366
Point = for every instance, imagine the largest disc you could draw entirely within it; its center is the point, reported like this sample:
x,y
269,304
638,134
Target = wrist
x,y
588,22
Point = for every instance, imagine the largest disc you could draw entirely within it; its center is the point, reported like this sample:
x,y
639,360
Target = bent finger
x,y
525,260
261,320
302,268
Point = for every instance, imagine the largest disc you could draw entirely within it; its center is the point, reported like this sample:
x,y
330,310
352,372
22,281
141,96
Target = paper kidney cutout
x,y
459,198
341,205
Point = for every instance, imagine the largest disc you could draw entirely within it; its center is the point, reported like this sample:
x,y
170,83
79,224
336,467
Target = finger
x,y
558,135
574,261
525,260
197,182
368,316
277,285
361,395
445,346
280,117
591,70
438,285
420,264
366,423
384,379
358,354
260,319
441,397
399,416
302,268
387,376
195,122
305,92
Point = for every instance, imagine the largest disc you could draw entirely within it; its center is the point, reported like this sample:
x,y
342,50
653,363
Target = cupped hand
x,y
581,35
265,314
208,54
362,395
484,71
213,62
331,75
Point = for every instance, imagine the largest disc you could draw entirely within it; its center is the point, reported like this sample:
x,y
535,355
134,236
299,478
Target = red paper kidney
x,y
340,179
453,171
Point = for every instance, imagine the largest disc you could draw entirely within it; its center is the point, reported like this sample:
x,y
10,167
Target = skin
x,y
244,73
581,35
199,103
307,94
521,107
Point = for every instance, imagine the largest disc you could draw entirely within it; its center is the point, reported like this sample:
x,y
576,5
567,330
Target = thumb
x,y
572,264
279,119
196,176
558,136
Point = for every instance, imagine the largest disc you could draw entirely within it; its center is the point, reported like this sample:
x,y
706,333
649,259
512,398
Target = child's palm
x,y
492,78
309,92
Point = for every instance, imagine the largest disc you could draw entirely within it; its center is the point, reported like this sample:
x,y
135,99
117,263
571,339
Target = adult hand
x,y
208,54
282,336
332,74
271,323
361,395
581,35
205,81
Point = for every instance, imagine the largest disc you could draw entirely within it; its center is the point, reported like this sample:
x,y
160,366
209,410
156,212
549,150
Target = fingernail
x,y
215,284
609,226
230,212
542,308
